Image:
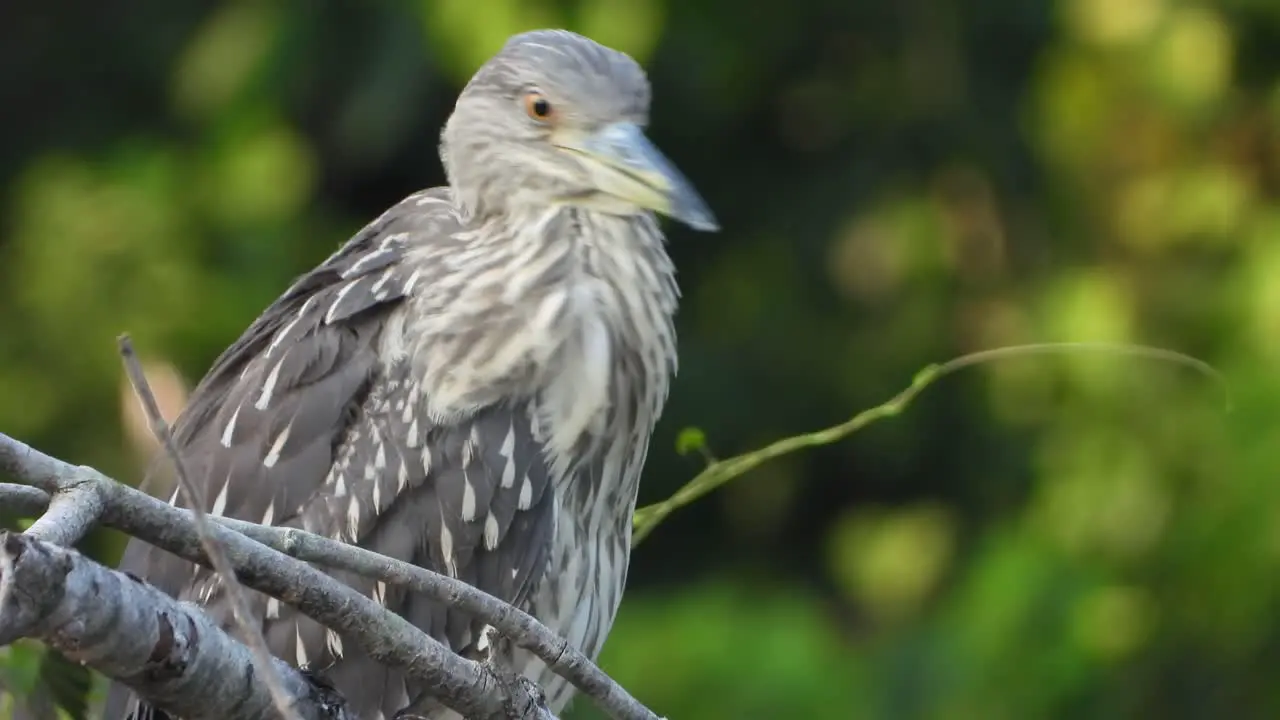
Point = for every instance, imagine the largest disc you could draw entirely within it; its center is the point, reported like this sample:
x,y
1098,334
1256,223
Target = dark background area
x,y
898,183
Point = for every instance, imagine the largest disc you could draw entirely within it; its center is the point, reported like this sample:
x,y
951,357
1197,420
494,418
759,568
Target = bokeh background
x,y
899,182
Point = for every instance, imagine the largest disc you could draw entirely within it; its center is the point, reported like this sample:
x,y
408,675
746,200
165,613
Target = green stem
x,y
720,472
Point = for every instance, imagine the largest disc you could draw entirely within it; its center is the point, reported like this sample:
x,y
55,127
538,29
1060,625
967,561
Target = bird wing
x,y
301,423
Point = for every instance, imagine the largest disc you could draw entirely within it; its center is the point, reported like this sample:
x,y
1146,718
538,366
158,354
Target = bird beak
x,y
625,165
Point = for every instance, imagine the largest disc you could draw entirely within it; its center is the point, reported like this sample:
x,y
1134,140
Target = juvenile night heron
x,y
470,383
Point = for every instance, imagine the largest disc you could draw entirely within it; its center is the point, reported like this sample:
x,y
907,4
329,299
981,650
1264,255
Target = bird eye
x,y
538,106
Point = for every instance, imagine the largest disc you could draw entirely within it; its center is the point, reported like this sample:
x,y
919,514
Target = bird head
x,y
558,119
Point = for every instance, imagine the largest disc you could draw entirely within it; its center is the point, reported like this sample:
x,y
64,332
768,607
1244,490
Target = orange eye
x,y
538,106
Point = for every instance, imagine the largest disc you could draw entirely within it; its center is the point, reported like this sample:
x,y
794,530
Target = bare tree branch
x,y
143,516
23,500
463,685
195,499
170,652
519,627
72,513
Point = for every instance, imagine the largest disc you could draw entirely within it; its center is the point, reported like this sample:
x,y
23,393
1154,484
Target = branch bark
x,y
472,689
172,653
131,511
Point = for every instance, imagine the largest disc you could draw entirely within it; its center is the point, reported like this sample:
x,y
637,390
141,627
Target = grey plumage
x,y
470,383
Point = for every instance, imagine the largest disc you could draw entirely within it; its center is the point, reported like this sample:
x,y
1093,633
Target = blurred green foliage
x,y
899,182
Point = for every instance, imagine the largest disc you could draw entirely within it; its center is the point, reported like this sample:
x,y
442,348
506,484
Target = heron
x,y
470,383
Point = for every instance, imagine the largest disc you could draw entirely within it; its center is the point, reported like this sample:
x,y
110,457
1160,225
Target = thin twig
x,y
519,627
196,500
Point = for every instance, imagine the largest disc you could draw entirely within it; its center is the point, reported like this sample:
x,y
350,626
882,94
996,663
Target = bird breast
x,y
576,394
553,312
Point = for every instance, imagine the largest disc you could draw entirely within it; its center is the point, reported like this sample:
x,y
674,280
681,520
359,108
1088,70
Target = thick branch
x,y
170,652
466,686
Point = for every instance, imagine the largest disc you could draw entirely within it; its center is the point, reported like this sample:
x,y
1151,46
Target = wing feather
x,y
300,423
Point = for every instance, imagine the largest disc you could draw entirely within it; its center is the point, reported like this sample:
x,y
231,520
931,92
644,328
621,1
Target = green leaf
x,y
691,439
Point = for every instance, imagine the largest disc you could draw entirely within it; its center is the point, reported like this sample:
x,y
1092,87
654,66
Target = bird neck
x,y
570,309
